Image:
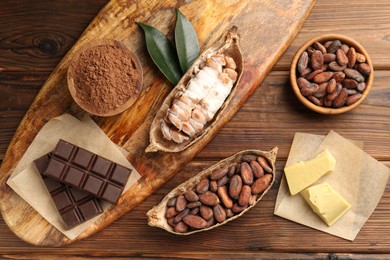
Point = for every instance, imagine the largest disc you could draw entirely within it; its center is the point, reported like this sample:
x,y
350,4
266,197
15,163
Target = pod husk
x,y
156,215
229,47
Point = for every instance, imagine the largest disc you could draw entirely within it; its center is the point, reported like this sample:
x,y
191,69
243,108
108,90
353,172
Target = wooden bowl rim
x,y
73,65
322,38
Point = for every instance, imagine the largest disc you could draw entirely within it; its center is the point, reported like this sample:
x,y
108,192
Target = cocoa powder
x,y
105,78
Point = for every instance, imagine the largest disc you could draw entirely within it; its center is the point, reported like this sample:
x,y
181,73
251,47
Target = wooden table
x,y
35,35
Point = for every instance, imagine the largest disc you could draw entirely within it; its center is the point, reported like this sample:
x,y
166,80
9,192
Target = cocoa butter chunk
x,y
300,175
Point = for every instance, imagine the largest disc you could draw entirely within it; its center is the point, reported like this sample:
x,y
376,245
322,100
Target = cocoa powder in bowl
x,y
105,78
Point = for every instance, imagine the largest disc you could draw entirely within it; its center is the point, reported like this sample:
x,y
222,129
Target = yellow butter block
x,y
303,174
326,202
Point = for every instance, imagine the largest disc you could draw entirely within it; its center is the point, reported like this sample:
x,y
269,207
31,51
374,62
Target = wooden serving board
x,y
267,27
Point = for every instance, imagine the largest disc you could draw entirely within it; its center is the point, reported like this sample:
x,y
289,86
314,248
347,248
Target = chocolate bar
x,y
74,206
87,171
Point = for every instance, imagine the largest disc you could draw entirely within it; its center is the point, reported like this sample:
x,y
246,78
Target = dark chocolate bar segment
x,y
87,171
75,206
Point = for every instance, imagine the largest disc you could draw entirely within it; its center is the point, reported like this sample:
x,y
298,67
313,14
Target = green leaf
x,y
162,53
187,45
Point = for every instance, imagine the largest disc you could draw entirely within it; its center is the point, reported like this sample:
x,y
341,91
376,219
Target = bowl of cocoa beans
x,y
331,74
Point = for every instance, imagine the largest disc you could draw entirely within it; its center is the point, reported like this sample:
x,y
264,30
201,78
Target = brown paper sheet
x,y
27,183
358,177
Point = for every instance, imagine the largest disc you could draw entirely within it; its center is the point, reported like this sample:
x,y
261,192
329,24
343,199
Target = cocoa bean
x,y
202,186
237,208
246,173
327,44
333,47
191,196
213,186
321,91
351,54
310,51
171,202
344,47
315,100
218,174
335,66
235,186
257,170
223,181
352,99
360,57
229,213
329,57
232,170
194,221
354,74
302,62
331,86
364,69
341,99
206,212
309,90
194,204
245,194
181,215
249,157
324,67
264,163
181,203
171,212
181,227
341,57
252,200
261,184
361,86
170,222
210,222
327,102
311,76
208,198
320,47
323,77
306,72
332,96
339,76
219,213
317,60
349,83
194,211
352,92
224,196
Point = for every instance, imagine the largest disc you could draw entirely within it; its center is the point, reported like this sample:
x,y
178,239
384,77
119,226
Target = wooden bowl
x,y
322,39
73,70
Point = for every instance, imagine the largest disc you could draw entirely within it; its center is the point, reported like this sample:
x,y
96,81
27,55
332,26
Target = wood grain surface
x,y
270,117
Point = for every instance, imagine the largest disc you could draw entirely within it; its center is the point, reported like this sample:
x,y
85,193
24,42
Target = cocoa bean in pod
x,y
320,47
364,69
352,99
219,213
261,184
264,163
354,74
194,204
303,61
336,44
171,202
194,221
246,173
349,83
360,57
235,186
341,57
202,186
210,222
245,194
171,212
181,227
331,86
224,197
206,212
213,186
194,211
341,99
170,222
248,158
237,208
317,60
229,213
339,76
223,181
252,200
335,66
323,77
181,203
218,174
329,57
208,198
191,196
351,54
181,215
257,170
232,170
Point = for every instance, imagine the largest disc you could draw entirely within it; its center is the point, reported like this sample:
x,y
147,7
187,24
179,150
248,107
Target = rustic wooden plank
x,y
363,21
258,230
35,35
271,109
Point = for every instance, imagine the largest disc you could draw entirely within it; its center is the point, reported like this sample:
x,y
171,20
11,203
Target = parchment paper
x,y
358,177
27,183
